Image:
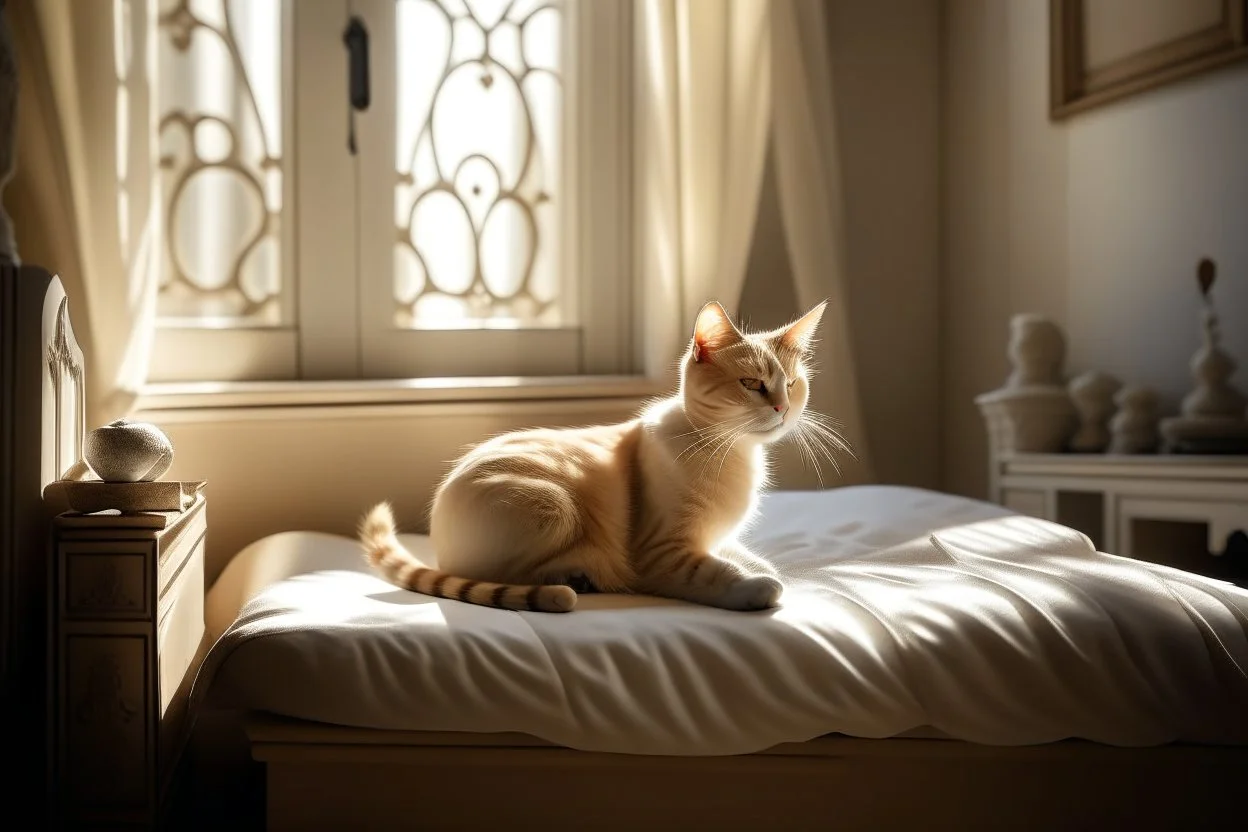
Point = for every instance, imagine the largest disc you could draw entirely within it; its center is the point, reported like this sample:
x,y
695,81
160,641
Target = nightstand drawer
x,y
107,579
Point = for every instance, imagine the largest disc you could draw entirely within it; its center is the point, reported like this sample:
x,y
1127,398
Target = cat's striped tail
x,y
379,537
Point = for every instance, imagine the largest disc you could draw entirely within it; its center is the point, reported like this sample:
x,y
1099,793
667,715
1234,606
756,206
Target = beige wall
x,y
1097,221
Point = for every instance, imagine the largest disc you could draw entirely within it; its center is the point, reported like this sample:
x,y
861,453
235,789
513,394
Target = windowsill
x,y
265,394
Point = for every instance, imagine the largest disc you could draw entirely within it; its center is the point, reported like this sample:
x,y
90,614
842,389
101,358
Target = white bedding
x,y
904,609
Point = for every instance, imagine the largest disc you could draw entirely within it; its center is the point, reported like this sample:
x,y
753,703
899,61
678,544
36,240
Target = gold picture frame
x,y
1104,50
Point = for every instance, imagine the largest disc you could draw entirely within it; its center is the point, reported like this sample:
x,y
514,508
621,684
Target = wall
x,y
1097,221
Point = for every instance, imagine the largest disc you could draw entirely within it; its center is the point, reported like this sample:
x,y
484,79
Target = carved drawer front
x,y
176,551
107,580
105,730
180,625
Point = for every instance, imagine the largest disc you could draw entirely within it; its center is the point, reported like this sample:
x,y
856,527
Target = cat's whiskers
x,y
696,446
727,444
822,438
834,438
708,427
710,444
712,436
728,450
833,427
808,452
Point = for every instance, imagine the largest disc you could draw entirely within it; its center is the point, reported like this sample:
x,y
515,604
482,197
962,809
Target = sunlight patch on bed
x,y
341,599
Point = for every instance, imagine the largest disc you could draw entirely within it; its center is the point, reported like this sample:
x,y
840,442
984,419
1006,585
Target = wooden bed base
x,y
331,778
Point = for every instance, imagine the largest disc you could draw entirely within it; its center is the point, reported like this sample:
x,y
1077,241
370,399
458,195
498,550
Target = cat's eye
x,y
790,383
753,384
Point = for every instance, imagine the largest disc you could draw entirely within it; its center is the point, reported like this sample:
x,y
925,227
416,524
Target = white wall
x,y
1097,221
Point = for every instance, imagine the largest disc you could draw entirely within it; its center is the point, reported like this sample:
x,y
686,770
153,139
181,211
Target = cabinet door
x,y
1034,502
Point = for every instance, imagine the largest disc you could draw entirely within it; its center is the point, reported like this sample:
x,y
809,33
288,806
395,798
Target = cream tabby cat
x,y
651,506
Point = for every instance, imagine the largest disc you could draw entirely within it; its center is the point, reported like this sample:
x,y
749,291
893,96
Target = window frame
x,y
240,351
326,337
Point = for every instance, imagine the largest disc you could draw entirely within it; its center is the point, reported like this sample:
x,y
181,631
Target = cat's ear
x,y
801,333
713,331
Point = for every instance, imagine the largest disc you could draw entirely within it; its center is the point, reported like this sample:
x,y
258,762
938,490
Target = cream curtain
x,y
85,200
717,81
809,185
703,96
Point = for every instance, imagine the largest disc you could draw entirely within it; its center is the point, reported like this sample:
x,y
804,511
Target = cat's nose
x,y
779,408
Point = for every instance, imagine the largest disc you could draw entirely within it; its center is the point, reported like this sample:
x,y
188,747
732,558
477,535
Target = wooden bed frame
x,y
327,777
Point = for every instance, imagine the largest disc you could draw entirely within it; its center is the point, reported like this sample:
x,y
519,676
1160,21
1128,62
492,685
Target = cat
x,y
653,506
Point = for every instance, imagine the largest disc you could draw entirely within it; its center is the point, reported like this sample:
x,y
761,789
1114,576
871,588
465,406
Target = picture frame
x,y
1105,50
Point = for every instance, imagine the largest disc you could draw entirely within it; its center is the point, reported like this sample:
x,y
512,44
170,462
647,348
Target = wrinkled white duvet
x,y
904,609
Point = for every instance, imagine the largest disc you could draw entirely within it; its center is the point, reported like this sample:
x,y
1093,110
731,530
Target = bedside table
x,y
1114,498
127,631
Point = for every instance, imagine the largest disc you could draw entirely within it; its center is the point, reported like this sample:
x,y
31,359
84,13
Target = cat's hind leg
x,y
588,565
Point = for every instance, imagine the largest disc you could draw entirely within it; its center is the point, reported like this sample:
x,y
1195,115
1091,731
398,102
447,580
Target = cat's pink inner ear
x,y
801,332
712,331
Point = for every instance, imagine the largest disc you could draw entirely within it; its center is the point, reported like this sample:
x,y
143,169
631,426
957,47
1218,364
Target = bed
x,y
937,661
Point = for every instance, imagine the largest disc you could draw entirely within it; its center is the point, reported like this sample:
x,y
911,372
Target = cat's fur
x,y
653,505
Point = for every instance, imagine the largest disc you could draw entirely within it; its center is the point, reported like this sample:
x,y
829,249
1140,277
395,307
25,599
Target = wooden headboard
x,y
42,421
64,413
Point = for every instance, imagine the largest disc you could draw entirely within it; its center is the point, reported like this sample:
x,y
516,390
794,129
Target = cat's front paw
x,y
757,593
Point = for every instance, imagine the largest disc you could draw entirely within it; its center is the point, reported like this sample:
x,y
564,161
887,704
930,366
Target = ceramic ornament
x,y
1212,418
1033,411
1093,396
123,451
1134,427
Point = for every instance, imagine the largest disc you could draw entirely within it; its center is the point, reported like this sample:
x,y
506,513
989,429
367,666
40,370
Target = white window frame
x,y
337,325
201,352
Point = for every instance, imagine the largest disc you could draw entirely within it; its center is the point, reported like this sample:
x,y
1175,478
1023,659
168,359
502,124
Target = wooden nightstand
x,y
127,623
1124,503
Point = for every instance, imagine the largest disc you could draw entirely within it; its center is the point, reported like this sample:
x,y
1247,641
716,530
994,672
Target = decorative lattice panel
x,y
221,164
478,136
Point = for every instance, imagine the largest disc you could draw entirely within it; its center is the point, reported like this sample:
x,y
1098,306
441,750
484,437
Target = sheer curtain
x,y
717,80
703,98
85,200
808,180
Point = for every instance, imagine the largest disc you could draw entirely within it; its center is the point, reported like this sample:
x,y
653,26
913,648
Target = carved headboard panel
x,y
64,392
42,420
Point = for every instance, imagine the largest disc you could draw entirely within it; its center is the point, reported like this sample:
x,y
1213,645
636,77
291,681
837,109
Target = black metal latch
x,y
355,38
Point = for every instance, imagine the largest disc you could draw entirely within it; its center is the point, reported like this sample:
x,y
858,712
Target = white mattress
x,y
904,609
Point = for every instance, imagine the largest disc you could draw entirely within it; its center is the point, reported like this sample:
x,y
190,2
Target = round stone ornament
x,y
124,451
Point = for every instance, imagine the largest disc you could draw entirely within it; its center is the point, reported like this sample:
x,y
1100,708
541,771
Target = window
x,y
480,227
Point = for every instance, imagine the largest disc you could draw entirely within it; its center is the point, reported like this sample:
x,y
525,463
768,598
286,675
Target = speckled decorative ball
x,y
123,451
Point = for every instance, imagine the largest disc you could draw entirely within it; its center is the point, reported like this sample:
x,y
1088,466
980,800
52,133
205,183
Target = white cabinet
x,y
1116,500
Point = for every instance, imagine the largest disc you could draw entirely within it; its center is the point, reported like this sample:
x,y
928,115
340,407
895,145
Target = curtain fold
x,y
809,186
703,101
85,196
